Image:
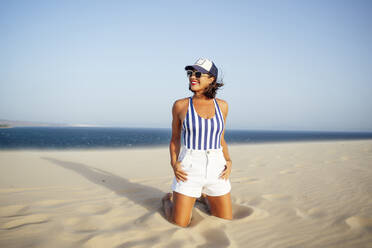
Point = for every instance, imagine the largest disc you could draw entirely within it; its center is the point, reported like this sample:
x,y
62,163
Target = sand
x,y
298,194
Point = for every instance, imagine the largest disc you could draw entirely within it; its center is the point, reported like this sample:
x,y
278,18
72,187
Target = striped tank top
x,y
202,134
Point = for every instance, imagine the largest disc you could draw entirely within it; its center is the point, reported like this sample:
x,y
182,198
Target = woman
x,y
202,166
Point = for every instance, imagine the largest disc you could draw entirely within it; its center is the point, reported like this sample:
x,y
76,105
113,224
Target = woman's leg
x,y
220,206
178,208
203,199
167,203
182,208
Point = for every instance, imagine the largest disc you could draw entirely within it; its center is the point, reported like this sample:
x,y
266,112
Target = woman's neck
x,y
200,96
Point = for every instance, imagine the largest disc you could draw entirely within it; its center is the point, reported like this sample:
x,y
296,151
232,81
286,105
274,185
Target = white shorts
x,y
203,168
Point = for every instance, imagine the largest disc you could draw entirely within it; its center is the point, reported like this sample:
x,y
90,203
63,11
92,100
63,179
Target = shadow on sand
x,y
145,196
139,194
150,198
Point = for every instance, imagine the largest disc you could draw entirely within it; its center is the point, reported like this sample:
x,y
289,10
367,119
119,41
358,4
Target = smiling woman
x,y
200,72
202,165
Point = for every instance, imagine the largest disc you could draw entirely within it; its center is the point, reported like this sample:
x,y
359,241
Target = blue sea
x,y
111,137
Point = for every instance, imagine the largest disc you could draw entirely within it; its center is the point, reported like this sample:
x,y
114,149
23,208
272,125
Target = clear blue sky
x,y
287,65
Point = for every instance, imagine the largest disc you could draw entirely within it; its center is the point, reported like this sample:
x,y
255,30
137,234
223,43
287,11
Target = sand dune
x,y
301,194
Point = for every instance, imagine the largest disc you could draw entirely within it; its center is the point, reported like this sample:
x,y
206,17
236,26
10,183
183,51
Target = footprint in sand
x,y
14,210
311,213
278,197
26,220
241,212
359,223
245,213
245,180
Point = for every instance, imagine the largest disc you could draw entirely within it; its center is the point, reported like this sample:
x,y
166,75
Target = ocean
x,y
116,137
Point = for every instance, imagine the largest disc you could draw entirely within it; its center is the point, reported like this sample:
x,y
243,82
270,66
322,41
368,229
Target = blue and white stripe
x,y
202,134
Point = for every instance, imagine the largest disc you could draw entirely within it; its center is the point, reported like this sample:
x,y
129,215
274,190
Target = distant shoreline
x,y
166,146
123,127
5,126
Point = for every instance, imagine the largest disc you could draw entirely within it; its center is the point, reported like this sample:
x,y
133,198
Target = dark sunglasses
x,y
198,74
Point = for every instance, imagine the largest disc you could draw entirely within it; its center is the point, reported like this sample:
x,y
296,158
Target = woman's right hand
x,y
179,173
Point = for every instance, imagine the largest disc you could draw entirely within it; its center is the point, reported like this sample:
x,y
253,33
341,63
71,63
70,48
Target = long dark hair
x,y
211,90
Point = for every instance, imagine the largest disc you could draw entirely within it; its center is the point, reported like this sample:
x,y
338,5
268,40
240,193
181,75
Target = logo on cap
x,y
204,65
200,62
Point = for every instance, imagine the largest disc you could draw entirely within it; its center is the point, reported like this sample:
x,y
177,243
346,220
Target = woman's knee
x,y
182,209
181,222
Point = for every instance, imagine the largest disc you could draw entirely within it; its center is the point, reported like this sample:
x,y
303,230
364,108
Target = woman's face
x,y
199,84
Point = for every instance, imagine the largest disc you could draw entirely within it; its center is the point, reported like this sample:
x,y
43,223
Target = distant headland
x,y
5,126
15,123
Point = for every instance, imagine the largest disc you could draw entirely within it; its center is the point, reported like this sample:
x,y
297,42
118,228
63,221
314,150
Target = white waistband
x,y
208,151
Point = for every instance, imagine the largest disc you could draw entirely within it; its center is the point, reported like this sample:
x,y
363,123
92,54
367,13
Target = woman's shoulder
x,y
223,105
181,103
221,102
181,100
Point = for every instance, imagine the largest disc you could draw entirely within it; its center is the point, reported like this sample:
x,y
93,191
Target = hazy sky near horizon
x,y
286,65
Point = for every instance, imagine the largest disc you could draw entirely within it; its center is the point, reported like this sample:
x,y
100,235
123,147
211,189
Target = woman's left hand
x,y
226,172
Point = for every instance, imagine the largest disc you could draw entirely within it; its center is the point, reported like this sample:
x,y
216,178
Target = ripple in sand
x,y
287,172
359,222
279,197
215,238
244,180
27,220
311,213
94,209
52,203
13,210
129,239
299,166
256,165
86,224
19,190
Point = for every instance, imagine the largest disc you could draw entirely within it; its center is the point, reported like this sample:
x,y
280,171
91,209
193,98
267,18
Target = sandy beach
x,y
298,194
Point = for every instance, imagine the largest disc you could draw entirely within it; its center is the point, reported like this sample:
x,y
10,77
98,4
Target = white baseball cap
x,y
205,66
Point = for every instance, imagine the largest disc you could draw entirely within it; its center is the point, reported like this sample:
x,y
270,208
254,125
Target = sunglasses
x,y
197,74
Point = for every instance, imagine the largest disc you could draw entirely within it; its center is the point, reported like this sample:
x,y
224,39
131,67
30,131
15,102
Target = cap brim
x,y
196,67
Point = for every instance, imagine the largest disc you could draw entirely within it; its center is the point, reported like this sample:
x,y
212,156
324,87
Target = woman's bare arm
x,y
226,173
175,143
